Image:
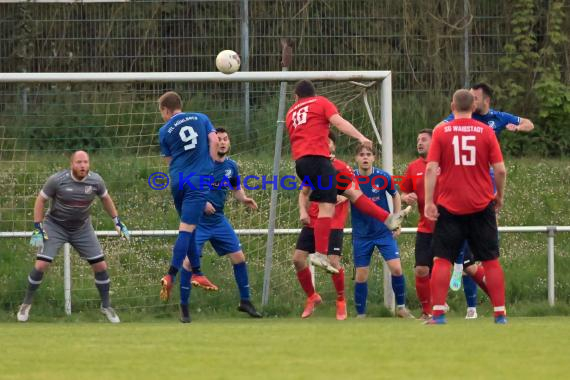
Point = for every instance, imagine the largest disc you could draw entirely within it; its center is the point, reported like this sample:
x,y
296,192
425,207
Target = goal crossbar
x,y
250,76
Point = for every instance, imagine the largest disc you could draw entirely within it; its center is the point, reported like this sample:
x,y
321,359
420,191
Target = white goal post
x,y
385,96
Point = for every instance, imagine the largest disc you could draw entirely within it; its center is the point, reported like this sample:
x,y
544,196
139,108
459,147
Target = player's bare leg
x,y
305,279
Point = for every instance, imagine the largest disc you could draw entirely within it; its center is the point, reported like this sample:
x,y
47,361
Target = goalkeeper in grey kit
x,y
72,192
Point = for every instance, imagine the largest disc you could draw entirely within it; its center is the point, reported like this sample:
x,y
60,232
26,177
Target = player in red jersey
x,y
412,188
306,242
308,123
463,150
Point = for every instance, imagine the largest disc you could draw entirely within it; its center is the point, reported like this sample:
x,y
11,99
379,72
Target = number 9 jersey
x,y
308,126
185,138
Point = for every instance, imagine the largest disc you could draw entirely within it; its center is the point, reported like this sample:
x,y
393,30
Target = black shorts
x,y
320,171
479,229
468,258
423,252
306,241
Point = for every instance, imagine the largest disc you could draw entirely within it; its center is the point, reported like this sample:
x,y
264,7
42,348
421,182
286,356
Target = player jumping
x,y
308,123
189,144
306,242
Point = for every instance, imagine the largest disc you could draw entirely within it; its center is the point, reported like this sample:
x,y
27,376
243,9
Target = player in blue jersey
x,y
368,233
215,227
499,121
189,144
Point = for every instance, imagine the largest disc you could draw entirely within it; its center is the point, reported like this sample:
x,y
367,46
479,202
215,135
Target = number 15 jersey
x,y
185,138
308,126
464,149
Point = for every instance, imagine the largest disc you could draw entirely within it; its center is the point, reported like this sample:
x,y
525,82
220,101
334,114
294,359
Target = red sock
x,y
495,280
424,293
479,278
338,281
439,283
306,281
366,206
322,232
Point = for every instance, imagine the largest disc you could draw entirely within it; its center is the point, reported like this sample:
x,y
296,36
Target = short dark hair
x,y
361,147
304,89
487,90
426,130
463,101
171,101
221,130
332,136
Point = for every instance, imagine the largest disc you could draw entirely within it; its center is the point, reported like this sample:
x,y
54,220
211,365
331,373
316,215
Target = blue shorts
x,y
189,203
362,250
221,235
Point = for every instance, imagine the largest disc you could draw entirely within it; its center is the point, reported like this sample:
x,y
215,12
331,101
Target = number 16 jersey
x,y
185,138
308,126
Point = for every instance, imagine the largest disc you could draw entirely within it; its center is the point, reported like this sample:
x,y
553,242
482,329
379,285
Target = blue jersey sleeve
x,y
391,189
449,118
508,118
164,149
207,124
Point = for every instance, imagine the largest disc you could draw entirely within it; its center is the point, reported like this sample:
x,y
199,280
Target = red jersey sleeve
x,y
328,107
495,154
407,186
434,154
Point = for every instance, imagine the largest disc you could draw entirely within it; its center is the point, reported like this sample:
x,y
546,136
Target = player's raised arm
x,y
347,128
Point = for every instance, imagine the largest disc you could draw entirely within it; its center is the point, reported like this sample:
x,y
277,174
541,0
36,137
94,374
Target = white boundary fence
x,y
550,232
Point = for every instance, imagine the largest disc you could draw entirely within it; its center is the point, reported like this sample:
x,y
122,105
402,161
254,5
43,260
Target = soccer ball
x,y
228,61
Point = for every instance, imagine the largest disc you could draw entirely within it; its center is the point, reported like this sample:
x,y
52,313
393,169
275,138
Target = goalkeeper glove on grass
x,y
38,236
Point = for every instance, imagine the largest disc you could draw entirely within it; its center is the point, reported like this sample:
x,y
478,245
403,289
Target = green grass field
x,y
287,348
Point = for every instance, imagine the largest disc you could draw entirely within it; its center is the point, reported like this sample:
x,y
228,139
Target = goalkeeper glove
x,y
121,228
38,236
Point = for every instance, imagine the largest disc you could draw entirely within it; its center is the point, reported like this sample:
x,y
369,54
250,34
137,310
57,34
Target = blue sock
x,y
470,290
240,274
399,288
461,258
185,286
194,256
180,249
360,295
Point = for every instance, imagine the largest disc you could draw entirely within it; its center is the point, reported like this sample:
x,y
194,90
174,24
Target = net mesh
x,y
41,124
